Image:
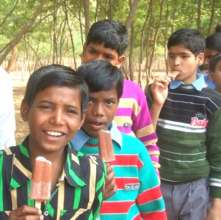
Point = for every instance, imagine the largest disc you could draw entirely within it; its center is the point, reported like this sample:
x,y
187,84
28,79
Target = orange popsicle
x,y
41,180
172,74
106,147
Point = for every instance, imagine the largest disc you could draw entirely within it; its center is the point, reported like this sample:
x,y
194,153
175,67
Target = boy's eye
x,y
171,56
92,51
184,56
108,57
45,106
72,111
110,102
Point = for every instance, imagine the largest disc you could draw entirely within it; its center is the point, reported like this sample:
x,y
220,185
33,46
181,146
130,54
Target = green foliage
x,y
52,33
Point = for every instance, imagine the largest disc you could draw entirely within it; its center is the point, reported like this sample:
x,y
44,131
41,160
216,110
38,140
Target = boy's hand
x,y
26,212
215,210
159,91
110,185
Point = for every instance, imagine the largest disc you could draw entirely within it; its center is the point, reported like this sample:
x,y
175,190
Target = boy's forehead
x,y
101,45
104,94
179,49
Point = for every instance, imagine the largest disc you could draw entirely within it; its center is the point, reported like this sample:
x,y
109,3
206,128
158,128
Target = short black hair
x,y
191,39
55,75
213,41
111,33
213,62
100,75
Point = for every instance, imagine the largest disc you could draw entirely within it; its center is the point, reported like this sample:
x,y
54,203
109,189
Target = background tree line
x,y
49,31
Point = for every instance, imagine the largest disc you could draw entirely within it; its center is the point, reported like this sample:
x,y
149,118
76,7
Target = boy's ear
x,y
200,58
82,120
121,59
24,109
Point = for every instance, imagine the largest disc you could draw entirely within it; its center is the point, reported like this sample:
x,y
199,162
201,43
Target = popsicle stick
x,y
38,205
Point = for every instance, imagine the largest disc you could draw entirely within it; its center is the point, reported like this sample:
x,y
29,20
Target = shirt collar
x,y
22,171
198,84
81,137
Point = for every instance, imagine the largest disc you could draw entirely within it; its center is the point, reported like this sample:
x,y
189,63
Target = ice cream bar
x,y
41,179
106,147
172,74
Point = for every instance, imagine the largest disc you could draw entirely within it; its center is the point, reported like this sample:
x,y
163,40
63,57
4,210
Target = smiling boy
x,y
54,105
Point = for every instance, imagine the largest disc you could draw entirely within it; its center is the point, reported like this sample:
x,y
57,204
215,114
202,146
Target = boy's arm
x,y
214,212
214,158
150,201
143,127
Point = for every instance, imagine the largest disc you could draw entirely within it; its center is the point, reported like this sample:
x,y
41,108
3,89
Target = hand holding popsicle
x,y
25,212
107,155
110,184
41,180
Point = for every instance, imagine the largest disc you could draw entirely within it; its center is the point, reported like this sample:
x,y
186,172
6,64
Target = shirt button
x,y
45,213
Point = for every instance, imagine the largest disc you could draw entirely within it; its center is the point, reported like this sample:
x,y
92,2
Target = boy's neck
x,y
190,80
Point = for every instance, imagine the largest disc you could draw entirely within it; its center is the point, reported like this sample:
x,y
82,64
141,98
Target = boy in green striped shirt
x,y
188,128
54,106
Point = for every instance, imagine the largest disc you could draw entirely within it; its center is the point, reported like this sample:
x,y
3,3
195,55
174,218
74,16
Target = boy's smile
x,y
182,60
101,111
54,117
97,51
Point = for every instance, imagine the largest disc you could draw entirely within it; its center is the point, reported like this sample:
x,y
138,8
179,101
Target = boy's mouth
x,y
97,125
55,133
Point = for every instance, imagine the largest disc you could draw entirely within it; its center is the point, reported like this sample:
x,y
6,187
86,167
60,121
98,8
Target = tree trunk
x,y
129,25
86,16
131,15
142,39
199,3
70,33
54,36
12,60
212,3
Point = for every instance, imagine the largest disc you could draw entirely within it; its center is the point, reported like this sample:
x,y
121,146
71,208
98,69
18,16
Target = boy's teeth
x,y
54,133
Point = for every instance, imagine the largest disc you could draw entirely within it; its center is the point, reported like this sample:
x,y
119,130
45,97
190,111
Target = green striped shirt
x,y
77,195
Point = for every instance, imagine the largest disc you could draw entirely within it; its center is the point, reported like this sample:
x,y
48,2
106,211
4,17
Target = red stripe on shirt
x,y
155,216
115,207
149,195
122,182
127,160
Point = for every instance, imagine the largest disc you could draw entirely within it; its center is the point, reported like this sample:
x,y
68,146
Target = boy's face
x,y
183,61
209,54
101,111
216,76
97,51
53,118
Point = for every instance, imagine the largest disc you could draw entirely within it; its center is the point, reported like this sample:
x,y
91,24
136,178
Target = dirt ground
x,y
21,126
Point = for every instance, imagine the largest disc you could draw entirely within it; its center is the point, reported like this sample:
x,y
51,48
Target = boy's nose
x,y
177,61
98,110
99,56
57,117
